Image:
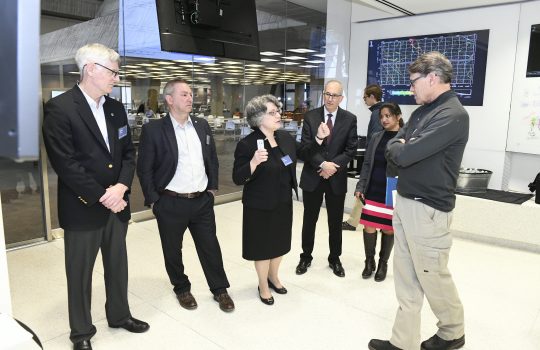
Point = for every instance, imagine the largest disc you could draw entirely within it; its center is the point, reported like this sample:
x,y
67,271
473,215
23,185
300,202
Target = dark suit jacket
x,y
367,165
80,157
341,149
158,156
261,189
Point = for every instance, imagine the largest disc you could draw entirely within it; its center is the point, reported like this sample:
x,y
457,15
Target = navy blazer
x,y
84,165
341,149
158,156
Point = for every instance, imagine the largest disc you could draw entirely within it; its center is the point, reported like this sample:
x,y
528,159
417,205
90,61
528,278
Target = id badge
x,y
122,132
286,160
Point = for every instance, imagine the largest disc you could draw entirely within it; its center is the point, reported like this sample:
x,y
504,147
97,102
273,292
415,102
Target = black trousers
x,y
312,207
174,215
81,249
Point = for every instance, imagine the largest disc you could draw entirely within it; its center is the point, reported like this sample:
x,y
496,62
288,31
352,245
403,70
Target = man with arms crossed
x,y
325,174
178,171
88,142
428,152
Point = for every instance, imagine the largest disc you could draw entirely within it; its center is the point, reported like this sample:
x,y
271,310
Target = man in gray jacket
x,y
428,152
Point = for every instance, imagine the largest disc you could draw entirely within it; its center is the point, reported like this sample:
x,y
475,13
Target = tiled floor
x,y
500,289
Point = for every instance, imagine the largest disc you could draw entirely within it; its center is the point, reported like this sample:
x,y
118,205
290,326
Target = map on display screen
x,y
389,59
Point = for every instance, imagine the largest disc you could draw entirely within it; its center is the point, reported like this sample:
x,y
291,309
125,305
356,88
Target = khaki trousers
x,y
421,251
354,218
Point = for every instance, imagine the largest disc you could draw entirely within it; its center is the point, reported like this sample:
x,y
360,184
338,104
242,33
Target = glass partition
x,y
292,46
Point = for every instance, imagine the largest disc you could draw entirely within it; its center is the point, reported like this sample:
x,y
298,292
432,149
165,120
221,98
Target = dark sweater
x,y
429,160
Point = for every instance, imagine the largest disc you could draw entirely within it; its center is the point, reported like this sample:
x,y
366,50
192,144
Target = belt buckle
x,y
192,195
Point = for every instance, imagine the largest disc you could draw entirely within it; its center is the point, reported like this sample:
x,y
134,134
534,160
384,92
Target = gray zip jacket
x,y
429,160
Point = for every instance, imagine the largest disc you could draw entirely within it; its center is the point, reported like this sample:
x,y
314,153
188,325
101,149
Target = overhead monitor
x,y
389,59
533,62
209,27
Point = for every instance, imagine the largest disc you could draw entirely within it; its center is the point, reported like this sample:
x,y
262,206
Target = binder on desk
x,y
391,191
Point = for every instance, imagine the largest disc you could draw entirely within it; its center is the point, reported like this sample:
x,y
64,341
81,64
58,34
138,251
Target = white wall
x,y
488,123
338,29
5,297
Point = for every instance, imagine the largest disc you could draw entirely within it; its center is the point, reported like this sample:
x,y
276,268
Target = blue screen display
x,y
388,60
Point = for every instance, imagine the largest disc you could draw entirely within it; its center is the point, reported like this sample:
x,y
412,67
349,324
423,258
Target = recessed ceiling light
x,y
309,66
315,61
268,60
270,53
294,58
254,65
231,62
301,50
288,63
164,63
323,55
146,64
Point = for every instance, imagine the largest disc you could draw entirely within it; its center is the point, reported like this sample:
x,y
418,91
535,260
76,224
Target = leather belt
x,y
182,195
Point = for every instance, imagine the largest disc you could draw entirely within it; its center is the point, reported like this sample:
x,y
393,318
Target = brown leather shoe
x,y
225,302
187,301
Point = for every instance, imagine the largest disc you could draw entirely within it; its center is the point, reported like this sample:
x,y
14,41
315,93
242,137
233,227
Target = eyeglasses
x,y
115,73
331,96
274,113
415,79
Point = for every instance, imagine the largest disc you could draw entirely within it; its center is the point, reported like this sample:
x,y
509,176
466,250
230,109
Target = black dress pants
x,y
312,207
174,215
81,249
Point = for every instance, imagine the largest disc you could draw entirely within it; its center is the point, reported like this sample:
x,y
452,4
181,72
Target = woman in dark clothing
x,y
265,163
371,189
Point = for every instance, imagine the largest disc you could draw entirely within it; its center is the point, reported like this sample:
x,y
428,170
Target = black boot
x,y
370,241
387,243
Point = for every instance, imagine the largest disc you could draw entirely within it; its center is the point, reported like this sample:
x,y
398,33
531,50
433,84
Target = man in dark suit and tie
x,y
325,174
88,142
178,171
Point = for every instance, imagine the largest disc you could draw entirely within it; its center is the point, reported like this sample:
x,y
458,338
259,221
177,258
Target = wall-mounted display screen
x,y
533,63
208,27
389,59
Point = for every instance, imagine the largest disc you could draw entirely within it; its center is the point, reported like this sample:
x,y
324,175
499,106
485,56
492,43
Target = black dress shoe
x,y
338,269
346,226
82,345
302,266
377,344
187,301
281,290
225,302
267,301
133,325
437,343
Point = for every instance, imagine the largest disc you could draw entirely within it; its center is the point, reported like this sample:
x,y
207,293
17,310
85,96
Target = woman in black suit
x,y
265,163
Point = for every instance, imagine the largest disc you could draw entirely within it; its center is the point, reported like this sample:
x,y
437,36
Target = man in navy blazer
x,y
178,170
325,174
88,142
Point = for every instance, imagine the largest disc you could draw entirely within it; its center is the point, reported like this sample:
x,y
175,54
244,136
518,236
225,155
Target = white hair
x,y
92,53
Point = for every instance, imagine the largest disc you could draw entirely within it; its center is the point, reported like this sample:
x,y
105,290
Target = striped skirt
x,y
378,215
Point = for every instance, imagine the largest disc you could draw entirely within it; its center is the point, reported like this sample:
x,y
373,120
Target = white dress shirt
x,y
190,175
99,114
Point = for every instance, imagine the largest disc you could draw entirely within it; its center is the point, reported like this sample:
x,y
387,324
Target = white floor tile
x,y
499,288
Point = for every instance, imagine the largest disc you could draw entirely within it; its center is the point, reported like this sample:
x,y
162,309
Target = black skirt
x,y
266,233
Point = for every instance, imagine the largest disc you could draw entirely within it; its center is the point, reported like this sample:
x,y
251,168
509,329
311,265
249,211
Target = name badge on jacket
x,y
207,139
122,132
286,160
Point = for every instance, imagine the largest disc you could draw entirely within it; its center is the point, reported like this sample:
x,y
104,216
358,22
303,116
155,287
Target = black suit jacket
x,y
80,157
340,150
158,156
261,189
